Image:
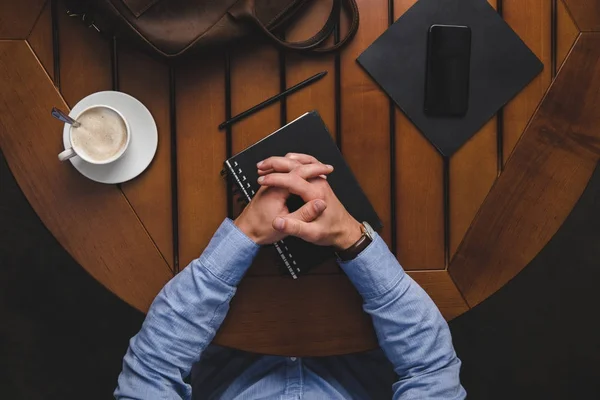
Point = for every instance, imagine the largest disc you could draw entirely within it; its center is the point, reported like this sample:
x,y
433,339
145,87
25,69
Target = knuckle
x,y
299,166
302,170
295,228
276,164
306,214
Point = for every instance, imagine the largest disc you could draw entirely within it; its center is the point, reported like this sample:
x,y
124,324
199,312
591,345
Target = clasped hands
x,y
322,220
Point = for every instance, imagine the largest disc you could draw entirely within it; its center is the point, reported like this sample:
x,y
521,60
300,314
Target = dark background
x,y
63,336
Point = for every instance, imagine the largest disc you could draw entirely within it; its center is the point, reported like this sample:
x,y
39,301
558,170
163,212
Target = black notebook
x,y
309,135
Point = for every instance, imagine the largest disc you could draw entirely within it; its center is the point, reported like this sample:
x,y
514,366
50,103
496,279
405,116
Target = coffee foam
x,y
102,134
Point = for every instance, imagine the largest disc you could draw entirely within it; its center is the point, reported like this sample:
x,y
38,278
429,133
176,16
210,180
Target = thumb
x,y
309,211
294,227
298,223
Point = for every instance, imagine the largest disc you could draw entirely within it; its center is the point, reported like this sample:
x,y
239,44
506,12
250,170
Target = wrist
x,y
246,228
350,234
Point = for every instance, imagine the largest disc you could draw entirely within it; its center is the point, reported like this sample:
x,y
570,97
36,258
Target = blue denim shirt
x,y
186,314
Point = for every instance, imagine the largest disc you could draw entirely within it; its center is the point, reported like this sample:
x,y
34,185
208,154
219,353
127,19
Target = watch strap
x,y
353,251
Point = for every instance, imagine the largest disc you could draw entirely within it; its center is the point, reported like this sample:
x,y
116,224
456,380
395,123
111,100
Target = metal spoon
x,y
64,117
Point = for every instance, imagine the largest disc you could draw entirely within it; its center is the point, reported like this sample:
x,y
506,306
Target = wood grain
x,y
254,78
419,199
266,317
586,13
365,115
547,173
85,65
40,39
567,33
419,192
442,290
150,193
200,90
531,20
473,170
85,68
321,95
92,221
18,17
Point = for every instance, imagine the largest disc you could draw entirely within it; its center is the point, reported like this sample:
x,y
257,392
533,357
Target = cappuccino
x,y
102,134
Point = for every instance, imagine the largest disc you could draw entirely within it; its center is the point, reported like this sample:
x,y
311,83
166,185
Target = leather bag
x,y
172,28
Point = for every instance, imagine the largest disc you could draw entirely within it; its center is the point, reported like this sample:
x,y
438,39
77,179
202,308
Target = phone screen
x,y
447,76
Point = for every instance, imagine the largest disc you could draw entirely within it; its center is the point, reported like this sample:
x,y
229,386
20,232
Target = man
x,y
188,311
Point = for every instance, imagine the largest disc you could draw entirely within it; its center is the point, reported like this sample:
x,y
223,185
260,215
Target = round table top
x,y
461,226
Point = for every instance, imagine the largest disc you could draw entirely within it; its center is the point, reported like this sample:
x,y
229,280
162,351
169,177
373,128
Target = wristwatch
x,y
366,239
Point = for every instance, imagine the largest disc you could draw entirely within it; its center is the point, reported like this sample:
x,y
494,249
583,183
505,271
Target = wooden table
x,y
462,227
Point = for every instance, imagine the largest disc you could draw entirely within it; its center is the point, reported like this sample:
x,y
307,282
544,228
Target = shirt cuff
x,y
375,271
229,253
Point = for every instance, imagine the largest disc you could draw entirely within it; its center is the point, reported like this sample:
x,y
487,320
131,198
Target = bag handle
x,y
244,10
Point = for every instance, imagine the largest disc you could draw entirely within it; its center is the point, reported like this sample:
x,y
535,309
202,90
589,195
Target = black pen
x,y
273,99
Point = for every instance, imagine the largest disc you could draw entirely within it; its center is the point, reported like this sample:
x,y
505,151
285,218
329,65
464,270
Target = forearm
x,y
409,327
184,318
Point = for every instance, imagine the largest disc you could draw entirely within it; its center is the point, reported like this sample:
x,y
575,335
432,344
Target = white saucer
x,y
142,147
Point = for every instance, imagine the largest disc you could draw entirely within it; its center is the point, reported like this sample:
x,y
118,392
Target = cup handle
x,y
66,154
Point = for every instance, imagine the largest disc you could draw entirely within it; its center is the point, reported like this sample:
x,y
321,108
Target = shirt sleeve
x,y
410,329
184,318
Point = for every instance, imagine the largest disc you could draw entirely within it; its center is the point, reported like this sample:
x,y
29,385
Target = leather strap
x,y
244,10
351,8
353,251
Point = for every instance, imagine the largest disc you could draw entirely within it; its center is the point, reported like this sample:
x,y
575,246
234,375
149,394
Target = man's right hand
x,y
334,227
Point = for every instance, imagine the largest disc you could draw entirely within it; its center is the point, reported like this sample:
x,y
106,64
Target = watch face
x,y
369,230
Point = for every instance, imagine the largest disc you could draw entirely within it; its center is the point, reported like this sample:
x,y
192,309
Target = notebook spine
x,y
289,264
241,186
245,191
238,195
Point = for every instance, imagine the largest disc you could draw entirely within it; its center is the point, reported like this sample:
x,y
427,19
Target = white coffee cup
x,y
108,132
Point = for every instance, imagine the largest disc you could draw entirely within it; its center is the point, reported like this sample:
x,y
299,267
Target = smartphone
x,y
447,75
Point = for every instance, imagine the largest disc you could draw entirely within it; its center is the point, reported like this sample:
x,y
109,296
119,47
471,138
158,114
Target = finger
x,y
302,158
307,174
293,183
310,211
265,172
310,171
294,227
279,164
270,171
